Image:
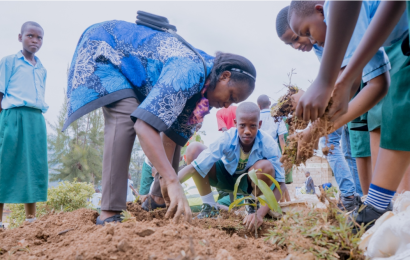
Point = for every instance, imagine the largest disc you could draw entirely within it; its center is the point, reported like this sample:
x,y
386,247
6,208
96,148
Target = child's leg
x,y
374,145
30,210
390,168
266,167
1,211
202,184
405,182
364,167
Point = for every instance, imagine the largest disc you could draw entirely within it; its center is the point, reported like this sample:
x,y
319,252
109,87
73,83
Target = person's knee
x,y
265,166
193,151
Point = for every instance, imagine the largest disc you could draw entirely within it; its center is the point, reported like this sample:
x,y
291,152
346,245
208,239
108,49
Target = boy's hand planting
x,y
249,221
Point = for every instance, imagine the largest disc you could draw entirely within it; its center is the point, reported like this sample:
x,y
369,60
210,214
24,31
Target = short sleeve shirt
x,y
22,83
379,63
274,129
225,117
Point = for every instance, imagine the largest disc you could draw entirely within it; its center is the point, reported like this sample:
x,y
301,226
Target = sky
x,y
244,28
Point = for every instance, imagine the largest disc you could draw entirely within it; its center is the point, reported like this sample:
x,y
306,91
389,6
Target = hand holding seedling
x,y
249,221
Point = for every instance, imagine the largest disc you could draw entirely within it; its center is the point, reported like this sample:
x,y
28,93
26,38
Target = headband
x,y
243,72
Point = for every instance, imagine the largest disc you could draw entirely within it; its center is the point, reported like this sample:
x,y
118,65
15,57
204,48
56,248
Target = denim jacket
x,y
227,149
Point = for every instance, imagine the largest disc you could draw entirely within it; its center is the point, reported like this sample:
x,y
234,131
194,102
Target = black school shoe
x,y
208,211
368,214
349,204
150,204
249,208
116,219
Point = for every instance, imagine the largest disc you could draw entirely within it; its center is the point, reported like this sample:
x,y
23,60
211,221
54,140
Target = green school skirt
x,y
396,57
23,156
359,143
395,111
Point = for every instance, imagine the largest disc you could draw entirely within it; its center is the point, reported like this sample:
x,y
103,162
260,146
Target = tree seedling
x,y
268,198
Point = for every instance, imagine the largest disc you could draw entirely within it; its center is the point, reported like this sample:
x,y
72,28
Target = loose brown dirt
x,y
74,235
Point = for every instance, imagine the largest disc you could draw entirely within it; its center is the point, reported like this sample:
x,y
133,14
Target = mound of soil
x,y
74,235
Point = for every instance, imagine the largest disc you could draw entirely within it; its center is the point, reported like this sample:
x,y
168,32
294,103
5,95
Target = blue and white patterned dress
x,y
116,60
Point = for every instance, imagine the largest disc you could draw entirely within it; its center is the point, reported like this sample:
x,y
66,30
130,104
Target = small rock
x,y
223,255
307,256
110,230
37,242
153,257
209,251
108,237
79,257
113,257
146,232
123,245
169,233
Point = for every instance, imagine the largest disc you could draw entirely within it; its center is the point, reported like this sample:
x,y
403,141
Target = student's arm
x,y
341,23
1,99
367,98
150,139
383,23
282,142
5,74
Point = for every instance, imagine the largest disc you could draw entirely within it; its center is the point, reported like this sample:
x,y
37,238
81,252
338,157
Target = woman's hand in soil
x,y
249,221
174,196
313,103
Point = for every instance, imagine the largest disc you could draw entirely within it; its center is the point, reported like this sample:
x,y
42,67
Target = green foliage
x,y
268,198
77,152
137,160
67,196
328,235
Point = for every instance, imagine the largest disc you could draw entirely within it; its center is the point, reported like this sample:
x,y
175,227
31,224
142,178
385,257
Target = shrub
x,y
67,196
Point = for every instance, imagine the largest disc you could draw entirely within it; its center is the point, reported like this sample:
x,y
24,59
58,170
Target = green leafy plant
x,y
67,196
268,198
127,216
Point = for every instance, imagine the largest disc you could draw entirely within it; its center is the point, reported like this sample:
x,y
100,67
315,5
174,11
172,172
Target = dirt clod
x,y
146,232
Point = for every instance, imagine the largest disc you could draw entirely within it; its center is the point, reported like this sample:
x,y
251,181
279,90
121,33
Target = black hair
x,y
263,101
248,108
282,24
24,26
227,62
302,8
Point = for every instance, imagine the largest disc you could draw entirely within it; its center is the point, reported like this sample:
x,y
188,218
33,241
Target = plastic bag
x,y
389,238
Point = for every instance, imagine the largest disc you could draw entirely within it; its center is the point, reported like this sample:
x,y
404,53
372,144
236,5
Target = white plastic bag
x,y
389,238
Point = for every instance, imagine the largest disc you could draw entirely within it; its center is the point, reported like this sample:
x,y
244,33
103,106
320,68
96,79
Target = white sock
x,y
31,220
209,199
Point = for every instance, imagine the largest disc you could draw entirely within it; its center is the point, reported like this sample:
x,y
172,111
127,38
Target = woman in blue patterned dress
x,y
150,84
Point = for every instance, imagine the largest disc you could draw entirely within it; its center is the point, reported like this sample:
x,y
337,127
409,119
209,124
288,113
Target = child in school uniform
x,y
277,130
355,144
393,154
239,150
23,137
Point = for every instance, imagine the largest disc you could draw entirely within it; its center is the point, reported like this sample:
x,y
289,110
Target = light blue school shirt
x,y
227,149
379,64
22,83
